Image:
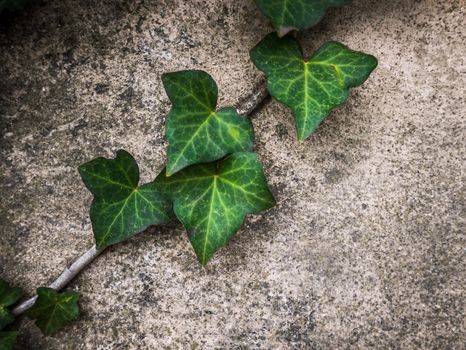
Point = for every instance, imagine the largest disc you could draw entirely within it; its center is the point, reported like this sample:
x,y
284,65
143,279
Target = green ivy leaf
x,y
8,296
311,88
121,208
52,310
7,340
212,200
195,131
288,15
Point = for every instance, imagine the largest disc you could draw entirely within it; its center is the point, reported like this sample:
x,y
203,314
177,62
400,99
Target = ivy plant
x,y
212,178
311,88
196,132
53,310
211,200
288,15
8,296
121,208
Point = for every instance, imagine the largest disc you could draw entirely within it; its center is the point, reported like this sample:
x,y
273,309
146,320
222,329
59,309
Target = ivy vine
x,y
212,178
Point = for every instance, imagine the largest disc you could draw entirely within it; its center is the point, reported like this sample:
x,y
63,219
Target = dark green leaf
x,y
311,88
7,340
121,208
8,296
195,131
53,310
211,200
288,15
5,317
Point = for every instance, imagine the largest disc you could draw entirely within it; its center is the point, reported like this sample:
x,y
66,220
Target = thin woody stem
x,y
250,103
66,277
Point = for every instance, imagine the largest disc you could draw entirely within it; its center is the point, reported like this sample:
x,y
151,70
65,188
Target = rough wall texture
x,y
366,247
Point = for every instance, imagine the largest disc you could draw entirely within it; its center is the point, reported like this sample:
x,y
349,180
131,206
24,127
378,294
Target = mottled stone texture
x,y
366,247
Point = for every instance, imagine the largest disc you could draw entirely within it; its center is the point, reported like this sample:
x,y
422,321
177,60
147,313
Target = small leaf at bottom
x,y
8,296
53,310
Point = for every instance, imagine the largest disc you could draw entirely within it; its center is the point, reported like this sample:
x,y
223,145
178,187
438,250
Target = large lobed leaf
x,y
288,15
311,88
52,310
212,200
195,131
120,207
8,296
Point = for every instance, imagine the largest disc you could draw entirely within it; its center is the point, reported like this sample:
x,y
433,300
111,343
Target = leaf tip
x,y
173,167
202,256
301,137
375,62
204,259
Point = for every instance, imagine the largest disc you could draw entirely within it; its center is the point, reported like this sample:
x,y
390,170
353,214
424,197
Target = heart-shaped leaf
x,y
311,88
288,15
121,208
7,340
8,296
212,200
195,131
52,310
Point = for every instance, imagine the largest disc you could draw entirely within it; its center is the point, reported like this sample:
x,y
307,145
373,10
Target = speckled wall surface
x,y
366,247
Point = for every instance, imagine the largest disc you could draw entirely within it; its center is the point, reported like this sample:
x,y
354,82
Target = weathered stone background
x,y
366,247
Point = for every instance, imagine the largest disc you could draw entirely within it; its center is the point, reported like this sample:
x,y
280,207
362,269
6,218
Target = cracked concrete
x,y
366,247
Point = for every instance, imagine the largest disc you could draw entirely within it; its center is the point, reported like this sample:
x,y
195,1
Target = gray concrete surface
x,y
366,247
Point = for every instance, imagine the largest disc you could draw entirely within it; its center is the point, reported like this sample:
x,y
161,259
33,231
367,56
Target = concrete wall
x,y
365,249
